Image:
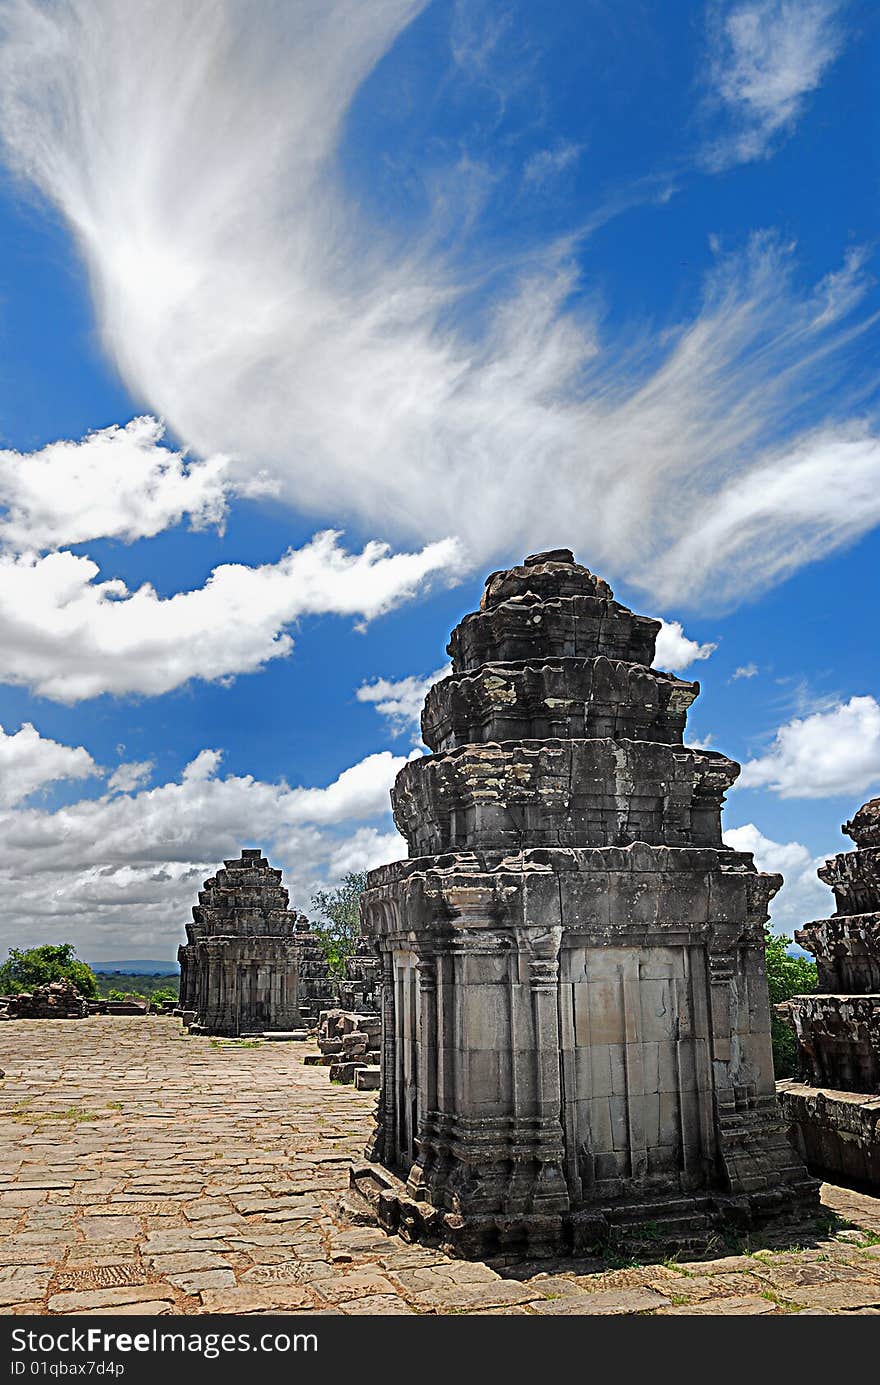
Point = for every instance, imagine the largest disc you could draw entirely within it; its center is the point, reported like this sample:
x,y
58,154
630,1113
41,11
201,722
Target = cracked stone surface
x,y
146,1172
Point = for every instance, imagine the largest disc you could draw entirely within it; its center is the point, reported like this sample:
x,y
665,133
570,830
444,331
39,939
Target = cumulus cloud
x,y
834,751
67,635
115,483
130,775
29,761
401,700
675,651
130,864
803,896
242,293
364,850
766,57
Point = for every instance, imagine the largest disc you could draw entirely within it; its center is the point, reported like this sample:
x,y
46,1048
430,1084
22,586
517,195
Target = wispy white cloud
x,y
749,670
803,895
67,635
794,505
401,700
835,751
765,59
122,865
546,164
675,651
239,291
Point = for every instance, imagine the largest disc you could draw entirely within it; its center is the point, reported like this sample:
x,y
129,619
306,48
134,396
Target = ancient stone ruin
x,y
349,1045
349,1034
576,1029
129,1006
57,1000
834,1109
356,991
250,964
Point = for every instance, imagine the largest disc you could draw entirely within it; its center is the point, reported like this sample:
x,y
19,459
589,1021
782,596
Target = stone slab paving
x,y
144,1171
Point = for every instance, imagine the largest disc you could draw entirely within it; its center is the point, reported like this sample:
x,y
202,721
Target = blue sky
x,y
453,282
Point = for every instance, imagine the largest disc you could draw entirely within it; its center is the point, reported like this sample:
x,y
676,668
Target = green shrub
x,y
786,976
23,970
163,993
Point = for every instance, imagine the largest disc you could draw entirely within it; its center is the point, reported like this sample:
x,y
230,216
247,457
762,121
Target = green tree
x,y
786,976
23,970
339,928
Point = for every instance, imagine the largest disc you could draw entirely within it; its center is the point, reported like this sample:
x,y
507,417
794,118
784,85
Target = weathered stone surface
x,y
576,1032
834,1110
368,1079
198,1281
468,1296
247,1299
751,1305
152,1308
609,1301
561,793
556,699
22,1284
86,1300
99,1276
847,952
839,1040
249,964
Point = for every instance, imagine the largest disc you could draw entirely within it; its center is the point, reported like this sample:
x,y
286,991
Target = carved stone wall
x,y
250,964
576,1030
834,1109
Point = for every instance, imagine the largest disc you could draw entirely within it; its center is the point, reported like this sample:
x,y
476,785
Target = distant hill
x,y
136,968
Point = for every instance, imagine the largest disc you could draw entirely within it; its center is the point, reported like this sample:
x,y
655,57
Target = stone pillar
x,y
382,1146
594,1032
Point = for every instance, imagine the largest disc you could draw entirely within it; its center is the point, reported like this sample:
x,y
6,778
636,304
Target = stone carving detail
x,y
576,1031
834,1108
250,964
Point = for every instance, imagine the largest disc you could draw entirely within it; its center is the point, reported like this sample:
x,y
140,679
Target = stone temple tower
x,y
834,1111
576,1029
249,964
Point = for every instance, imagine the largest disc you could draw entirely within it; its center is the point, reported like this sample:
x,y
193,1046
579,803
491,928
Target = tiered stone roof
x,y
838,1030
553,729
246,899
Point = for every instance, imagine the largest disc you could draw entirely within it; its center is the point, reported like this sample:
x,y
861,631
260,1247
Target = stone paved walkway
x,y
142,1171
